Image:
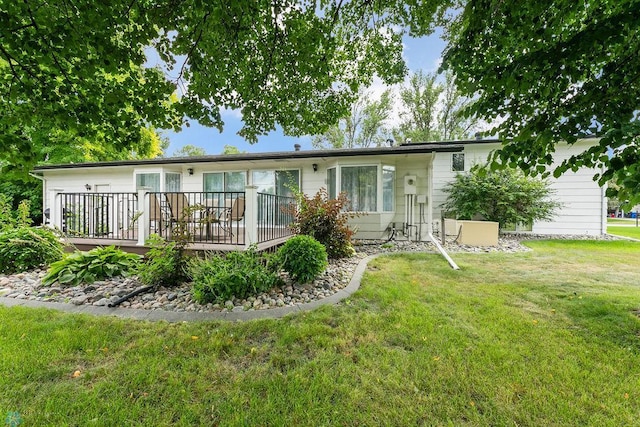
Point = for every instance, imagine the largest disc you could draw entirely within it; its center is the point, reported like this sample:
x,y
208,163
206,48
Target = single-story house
x,y
238,199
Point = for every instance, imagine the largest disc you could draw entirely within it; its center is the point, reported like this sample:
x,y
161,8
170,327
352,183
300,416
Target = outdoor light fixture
x,y
190,170
88,187
315,167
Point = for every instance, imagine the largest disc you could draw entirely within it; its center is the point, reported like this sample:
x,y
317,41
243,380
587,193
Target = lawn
x,y
547,337
616,221
633,232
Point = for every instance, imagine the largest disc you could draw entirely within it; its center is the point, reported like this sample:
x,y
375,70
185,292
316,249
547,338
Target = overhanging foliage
x,y
553,71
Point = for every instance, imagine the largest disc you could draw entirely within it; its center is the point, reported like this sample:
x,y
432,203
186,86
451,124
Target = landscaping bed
x,y
180,298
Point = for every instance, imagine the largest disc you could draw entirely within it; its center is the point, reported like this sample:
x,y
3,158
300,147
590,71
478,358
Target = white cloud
x,y
230,113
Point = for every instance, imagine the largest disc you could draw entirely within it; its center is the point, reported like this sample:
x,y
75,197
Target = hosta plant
x,y
87,267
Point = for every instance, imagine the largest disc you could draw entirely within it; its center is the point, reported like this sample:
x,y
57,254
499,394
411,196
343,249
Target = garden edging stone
x,y
184,316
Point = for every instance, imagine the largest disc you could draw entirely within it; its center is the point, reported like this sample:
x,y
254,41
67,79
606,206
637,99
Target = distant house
x,y
235,200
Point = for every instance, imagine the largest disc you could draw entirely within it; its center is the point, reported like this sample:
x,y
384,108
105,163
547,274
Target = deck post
x,y
143,221
251,215
55,213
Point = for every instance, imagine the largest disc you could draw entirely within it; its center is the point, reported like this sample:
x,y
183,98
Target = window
x,y
279,182
224,181
152,181
149,180
364,186
388,190
172,182
457,162
220,182
361,185
332,185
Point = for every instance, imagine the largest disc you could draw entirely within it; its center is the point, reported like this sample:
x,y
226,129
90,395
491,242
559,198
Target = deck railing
x,y
275,216
229,218
99,215
207,217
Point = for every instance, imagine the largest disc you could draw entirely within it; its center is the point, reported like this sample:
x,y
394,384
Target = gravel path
x,y
337,276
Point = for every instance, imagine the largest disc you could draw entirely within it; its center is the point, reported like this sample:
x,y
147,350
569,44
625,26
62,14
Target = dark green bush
x,y
165,263
23,248
303,257
240,274
87,267
326,221
505,196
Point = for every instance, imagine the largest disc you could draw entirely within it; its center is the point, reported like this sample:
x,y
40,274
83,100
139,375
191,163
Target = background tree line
x,y
424,109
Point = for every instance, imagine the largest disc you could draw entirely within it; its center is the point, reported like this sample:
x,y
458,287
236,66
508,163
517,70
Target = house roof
x,y
424,147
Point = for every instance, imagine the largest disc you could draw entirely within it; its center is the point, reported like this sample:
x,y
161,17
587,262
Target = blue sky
x,y
420,54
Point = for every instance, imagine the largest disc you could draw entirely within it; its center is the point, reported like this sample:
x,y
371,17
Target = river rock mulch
x,y
337,276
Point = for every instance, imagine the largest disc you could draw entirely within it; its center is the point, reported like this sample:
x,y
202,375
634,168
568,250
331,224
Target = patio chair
x,y
158,215
226,216
182,211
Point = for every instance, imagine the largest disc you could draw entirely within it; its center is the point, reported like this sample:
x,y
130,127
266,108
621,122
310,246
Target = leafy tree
x,y
542,71
452,122
81,67
546,72
29,189
433,110
190,151
231,149
63,147
66,148
505,196
419,100
364,126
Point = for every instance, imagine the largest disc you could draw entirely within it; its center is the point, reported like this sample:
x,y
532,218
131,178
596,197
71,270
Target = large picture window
x,y
364,186
361,185
279,182
224,181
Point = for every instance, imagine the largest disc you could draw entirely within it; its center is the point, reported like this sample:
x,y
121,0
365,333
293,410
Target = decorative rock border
x,y
340,280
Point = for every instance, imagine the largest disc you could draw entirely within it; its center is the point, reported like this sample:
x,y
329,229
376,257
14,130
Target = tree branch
x,y
193,46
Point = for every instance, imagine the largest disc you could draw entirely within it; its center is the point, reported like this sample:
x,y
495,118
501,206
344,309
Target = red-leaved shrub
x,y
325,220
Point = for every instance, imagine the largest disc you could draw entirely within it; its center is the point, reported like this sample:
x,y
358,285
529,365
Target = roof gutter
x,y
310,154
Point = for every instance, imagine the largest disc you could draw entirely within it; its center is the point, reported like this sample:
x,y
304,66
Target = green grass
x,y
547,337
633,232
615,221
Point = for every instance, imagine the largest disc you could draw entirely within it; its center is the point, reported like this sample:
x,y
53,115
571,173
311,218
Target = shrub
x,y
303,257
24,248
324,220
7,220
165,263
87,267
505,196
239,274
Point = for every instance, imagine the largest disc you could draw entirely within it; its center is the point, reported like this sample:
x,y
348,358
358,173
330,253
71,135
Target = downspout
x,y
430,217
444,253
